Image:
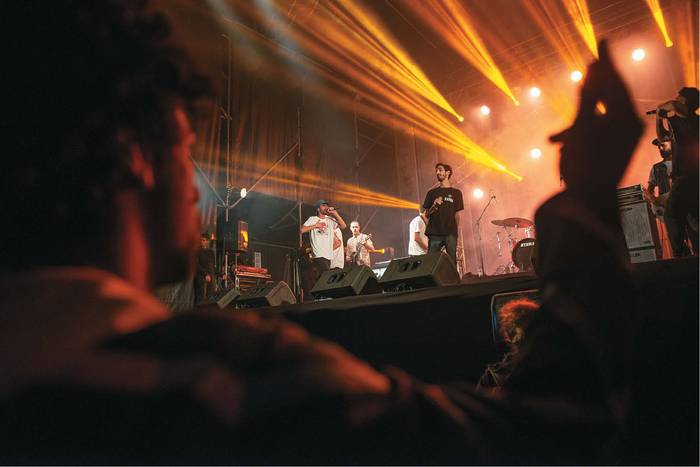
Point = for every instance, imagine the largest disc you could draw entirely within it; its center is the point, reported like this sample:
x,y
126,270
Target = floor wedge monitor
x,y
416,272
347,282
270,294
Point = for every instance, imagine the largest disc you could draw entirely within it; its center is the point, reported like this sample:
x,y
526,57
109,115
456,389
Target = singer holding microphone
x,y
442,205
322,232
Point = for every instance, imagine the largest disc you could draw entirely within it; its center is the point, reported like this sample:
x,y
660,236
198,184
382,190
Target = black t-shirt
x,y
685,151
442,221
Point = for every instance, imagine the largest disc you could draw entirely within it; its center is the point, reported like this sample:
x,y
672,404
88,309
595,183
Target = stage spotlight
x,y
484,110
576,76
244,192
535,153
638,55
535,91
478,193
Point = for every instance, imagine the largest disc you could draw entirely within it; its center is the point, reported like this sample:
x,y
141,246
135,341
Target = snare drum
x,y
525,254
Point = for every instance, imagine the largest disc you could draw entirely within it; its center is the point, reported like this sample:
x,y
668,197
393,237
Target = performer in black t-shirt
x,y
442,205
677,121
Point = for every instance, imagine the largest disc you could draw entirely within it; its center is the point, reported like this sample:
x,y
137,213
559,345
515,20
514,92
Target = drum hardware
x,y
525,247
480,271
514,222
525,254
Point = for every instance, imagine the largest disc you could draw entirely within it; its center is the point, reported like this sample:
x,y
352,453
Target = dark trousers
x,y
310,272
436,242
682,202
203,289
324,264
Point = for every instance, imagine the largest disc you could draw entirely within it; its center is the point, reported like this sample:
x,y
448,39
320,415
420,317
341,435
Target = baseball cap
x,y
320,202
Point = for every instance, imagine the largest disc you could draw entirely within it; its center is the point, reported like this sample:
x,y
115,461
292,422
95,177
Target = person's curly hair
x,y
513,318
84,74
691,97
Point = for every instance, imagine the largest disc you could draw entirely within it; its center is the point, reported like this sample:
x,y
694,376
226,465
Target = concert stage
x,y
442,334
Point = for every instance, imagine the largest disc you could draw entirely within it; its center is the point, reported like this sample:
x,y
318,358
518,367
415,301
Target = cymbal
x,y
517,222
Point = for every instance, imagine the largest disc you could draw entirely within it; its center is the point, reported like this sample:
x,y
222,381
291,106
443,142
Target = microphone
x,y
331,209
650,112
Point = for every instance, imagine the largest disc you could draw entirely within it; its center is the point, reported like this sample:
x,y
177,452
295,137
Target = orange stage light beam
x,y
578,10
451,21
349,32
391,100
340,191
659,18
551,21
686,40
333,39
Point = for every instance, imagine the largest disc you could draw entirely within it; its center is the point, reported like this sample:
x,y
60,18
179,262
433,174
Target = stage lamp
x,y
535,153
244,192
460,118
484,110
478,193
638,55
535,92
576,76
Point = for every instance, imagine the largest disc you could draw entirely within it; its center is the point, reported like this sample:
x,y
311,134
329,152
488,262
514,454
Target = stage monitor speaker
x,y
228,297
638,225
347,282
416,272
270,294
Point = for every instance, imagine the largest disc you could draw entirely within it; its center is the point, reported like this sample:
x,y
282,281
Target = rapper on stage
x,y
321,228
443,205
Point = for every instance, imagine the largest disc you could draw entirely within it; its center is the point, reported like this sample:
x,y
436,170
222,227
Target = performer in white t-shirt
x,y
322,232
338,260
417,240
357,250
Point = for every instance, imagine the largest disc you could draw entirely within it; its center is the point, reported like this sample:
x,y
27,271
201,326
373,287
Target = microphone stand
x,y
480,270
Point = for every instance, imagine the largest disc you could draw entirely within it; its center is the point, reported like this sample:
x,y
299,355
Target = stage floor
x,y
443,334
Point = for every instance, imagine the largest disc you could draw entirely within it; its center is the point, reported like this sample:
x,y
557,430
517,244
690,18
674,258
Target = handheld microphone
x,y
650,112
331,209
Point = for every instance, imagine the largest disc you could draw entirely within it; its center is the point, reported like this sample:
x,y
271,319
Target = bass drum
x,y
525,254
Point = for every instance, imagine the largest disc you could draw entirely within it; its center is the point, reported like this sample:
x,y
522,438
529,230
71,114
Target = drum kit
x,y
521,244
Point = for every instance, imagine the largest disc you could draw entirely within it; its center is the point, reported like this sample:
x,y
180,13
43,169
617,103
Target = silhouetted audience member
x,y
513,318
95,370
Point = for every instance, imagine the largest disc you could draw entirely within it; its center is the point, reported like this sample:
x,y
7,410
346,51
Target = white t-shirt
x,y
359,242
322,240
338,260
416,225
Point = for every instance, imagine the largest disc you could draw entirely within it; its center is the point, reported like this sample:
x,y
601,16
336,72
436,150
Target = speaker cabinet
x,y
352,280
638,225
416,272
270,294
228,297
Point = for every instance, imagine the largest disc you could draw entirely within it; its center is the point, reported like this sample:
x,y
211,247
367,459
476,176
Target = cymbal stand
x,y
511,244
510,267
480,250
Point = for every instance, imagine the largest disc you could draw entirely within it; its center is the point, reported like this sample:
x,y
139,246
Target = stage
x,y
443,334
